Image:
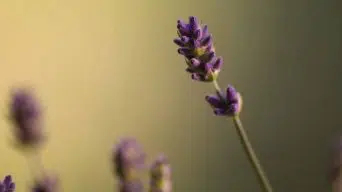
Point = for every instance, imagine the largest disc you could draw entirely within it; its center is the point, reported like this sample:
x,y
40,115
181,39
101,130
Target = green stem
x,y
253,159
248,148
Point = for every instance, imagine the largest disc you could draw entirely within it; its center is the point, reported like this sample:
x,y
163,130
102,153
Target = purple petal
x,y
183,32
185,39
218,63
183,28
193,23
209,57
194,43
233,108
231,93
179,42
184,51
207,41
181,24
7,180
197,34
195,62
214,101
11,187
210,48
207,68
205,31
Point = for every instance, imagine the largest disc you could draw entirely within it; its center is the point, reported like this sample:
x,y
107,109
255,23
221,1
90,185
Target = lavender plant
x,y
128,160
26,117
160,175
25,114
7,185
196,45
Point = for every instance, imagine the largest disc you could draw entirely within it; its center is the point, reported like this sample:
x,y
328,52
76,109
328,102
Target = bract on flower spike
x,y
196,45
25,115
7,185
128,160
161,175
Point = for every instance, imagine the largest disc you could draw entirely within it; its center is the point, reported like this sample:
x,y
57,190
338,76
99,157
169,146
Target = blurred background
x,y
107,69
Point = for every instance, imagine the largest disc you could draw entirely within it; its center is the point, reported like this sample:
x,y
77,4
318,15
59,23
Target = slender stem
x,y
248,148
217,87
34,162
252,157
39,162
31,169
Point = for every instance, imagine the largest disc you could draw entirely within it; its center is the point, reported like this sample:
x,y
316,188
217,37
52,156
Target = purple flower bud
x,y
49,183
128,156
161,175
206,41
195,42
194,24
229,104
25,114
7,185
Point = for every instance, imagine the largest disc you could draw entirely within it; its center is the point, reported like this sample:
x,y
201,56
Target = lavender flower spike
x,y
49,183
129,159
7,184
25,114
161,180
196,45
229,104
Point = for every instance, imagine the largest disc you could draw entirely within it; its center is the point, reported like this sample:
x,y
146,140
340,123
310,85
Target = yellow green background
x,y
106,69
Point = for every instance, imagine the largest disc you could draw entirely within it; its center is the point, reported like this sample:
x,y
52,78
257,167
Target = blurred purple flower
x,y
7,185
229,104
128,156
49,183
131,186
161,175
196,45
25,114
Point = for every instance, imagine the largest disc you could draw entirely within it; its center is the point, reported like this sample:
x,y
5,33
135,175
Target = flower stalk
x,y
196,45
247,146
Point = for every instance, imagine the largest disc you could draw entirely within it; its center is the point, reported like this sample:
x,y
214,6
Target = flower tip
x,y
192,19
178,42
8,178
